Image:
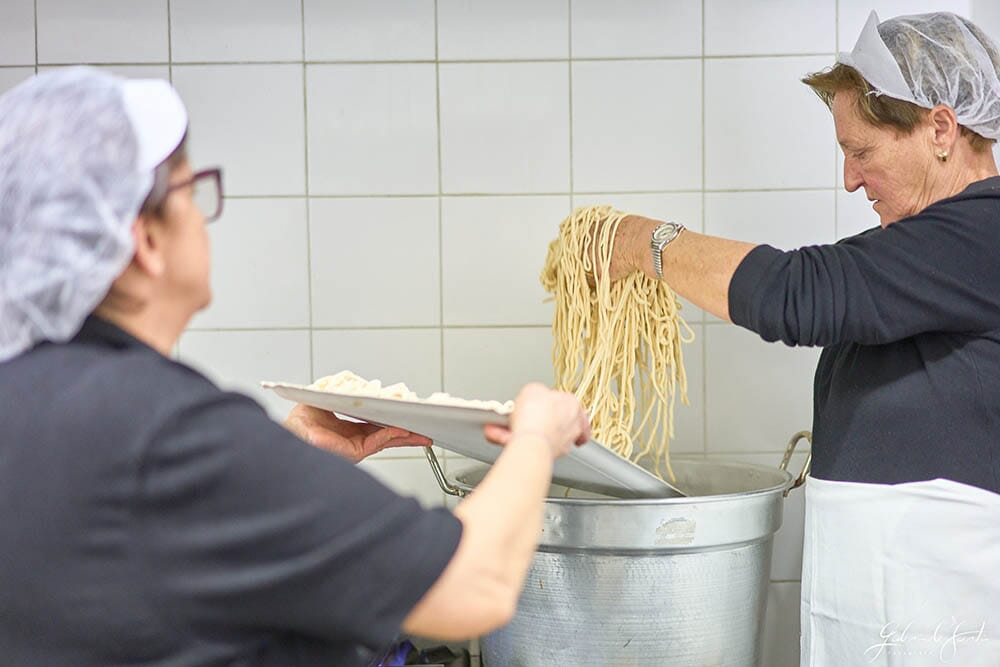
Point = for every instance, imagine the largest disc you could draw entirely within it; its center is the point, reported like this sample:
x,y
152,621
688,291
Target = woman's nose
x,y
852,176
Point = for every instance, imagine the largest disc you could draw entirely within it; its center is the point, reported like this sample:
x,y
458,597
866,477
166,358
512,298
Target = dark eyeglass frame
x,y
213,174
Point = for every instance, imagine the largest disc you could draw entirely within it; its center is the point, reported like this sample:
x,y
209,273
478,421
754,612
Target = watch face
x,y
664,232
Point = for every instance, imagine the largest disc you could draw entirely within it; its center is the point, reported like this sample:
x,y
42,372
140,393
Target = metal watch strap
x,y
663,234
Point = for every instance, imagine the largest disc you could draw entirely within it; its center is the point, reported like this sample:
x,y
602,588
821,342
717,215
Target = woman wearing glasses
x,y
148,517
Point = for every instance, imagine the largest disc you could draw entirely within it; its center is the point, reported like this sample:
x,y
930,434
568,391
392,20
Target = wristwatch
x,y
664,233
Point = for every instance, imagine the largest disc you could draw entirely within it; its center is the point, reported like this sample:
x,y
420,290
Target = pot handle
x,y
789,450
439,475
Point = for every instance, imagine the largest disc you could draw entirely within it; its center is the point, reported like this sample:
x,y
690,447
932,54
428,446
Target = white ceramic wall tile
x,y
757,394
493,250
728,31
854,214
785,220
484,29
408,477
763,127
456,464
240,360
684,207
102,31
629,132
496,363
249,119
840,162
235,30
504,127
127,71
852,14
17,32
986,14
786,560
11,76
781,625
259,274
364,30
375,262
372,129
636,28
412,356
689,420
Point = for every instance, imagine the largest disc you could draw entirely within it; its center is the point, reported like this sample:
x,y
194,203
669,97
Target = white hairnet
x,y
931,59
78,151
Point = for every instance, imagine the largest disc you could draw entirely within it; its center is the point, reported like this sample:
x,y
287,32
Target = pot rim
x,y
634,502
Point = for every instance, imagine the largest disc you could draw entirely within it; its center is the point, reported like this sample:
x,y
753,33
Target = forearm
x,y
501,520
696,266
504,515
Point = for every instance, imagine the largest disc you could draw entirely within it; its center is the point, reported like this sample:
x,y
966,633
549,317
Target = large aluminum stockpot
x,y
651,582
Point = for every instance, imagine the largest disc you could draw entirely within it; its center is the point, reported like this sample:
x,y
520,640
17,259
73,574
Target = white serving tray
x,y
459,429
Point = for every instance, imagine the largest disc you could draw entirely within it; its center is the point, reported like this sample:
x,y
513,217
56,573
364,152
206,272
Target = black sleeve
x,y
936,271
250,529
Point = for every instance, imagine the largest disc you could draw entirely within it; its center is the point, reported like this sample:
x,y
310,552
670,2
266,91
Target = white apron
x,y
900,575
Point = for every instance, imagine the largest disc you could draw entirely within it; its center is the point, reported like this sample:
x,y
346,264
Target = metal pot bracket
x,y
789,450
439,475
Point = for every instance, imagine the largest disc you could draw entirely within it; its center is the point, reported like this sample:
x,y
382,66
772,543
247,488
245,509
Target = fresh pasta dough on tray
x,y
347,382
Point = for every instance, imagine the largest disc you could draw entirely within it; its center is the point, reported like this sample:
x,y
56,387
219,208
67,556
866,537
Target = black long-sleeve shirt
x,y
908,384
149,518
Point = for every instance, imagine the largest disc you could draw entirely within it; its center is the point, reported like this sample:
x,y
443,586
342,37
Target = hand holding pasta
x,y
615,341
616,228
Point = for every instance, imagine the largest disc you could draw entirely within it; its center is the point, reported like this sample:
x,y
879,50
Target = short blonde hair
x,y
878,110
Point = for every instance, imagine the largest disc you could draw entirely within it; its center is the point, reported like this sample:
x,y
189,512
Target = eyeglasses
x,y
207,185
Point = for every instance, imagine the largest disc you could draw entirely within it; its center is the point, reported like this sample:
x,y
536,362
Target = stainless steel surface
x,y
677,581
460,429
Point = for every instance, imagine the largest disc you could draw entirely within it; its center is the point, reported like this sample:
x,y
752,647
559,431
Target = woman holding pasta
x,y
903,512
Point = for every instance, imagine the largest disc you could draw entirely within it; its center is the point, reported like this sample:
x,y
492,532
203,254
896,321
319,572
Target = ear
x,y
945,127
147,236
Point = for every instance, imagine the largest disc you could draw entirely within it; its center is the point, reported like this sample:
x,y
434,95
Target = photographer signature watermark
x,y
945,639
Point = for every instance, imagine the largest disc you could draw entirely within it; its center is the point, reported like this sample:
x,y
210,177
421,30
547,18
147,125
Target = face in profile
x,y
187,254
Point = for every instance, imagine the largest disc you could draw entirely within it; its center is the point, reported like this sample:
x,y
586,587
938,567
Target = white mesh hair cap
x,y
931,59
78,150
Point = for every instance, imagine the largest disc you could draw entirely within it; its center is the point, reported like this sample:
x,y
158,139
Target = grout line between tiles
x,y
394,327
569,72
704,171
448,61
825,188
225,63
440,172
36,36
836,147
170,44
308,208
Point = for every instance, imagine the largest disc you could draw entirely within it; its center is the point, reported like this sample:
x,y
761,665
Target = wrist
x,y
526,434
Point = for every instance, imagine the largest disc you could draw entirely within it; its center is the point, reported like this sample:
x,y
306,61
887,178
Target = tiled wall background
x,y
395,169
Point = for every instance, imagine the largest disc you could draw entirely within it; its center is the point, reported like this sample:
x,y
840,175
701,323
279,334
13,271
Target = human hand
x,y
556,416
630,250
352,440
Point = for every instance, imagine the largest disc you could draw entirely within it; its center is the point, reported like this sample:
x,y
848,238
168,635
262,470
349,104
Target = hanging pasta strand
x,y
612,340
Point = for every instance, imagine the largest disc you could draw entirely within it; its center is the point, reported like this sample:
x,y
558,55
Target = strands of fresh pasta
x,y
611,338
